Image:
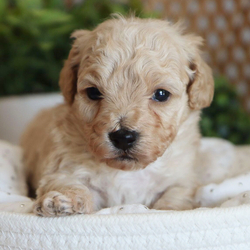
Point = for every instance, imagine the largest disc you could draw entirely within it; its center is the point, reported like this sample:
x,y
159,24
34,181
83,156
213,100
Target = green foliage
x,y
226,118
34,39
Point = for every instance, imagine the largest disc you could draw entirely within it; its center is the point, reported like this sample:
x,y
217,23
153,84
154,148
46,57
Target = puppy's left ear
x,y
201,85
69,72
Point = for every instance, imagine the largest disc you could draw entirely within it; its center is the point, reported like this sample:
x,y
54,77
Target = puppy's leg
x,y
56,199
176,198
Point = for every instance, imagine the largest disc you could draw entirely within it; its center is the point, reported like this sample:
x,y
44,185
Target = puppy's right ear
x,y
201,85
69,72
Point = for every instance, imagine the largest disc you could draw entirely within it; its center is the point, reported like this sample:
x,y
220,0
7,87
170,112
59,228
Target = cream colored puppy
x,y
128,131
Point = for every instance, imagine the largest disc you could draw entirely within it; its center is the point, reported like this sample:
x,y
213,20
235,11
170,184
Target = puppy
x,y
128,130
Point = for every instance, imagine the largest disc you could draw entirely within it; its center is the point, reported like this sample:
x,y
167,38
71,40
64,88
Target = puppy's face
x,y
131,83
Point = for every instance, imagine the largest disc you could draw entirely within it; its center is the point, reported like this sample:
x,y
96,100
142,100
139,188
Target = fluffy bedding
x,y
133,226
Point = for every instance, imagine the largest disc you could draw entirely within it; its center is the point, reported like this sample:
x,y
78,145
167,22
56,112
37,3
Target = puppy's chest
x,y
118,187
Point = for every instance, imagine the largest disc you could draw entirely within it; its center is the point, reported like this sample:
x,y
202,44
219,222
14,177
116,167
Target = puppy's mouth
x,y
125,158
123,161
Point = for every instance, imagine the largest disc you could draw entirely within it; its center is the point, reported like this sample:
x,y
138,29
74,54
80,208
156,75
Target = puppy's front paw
x,y
65,203
162,205
176,198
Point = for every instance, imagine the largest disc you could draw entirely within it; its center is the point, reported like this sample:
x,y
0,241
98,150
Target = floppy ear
x,y
201,85
69,72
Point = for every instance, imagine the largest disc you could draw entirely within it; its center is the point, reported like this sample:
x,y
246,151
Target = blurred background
x,y
34,41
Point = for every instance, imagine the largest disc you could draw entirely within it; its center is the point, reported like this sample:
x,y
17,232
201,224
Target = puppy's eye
x,y
94,93
161,95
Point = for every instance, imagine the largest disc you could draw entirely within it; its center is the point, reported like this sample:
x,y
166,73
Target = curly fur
x,y
70,160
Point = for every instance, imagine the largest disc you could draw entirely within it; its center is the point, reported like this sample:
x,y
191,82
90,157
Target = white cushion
x,y
17,112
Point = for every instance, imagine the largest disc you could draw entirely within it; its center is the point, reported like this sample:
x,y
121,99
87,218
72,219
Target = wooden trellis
x,y
225,26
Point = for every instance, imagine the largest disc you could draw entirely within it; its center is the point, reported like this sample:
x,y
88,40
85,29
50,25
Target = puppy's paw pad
x,y
53,203
61,204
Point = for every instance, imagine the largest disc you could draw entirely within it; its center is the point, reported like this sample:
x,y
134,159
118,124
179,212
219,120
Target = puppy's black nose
x,y
123,139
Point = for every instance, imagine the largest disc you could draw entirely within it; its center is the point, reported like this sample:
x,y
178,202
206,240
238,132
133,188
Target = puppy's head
x,y
131,83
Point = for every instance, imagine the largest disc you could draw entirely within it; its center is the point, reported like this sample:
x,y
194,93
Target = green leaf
x,y
51,17
3,8
46,46
29,4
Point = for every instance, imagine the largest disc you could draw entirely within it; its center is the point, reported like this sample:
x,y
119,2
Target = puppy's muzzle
x,y
123,139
